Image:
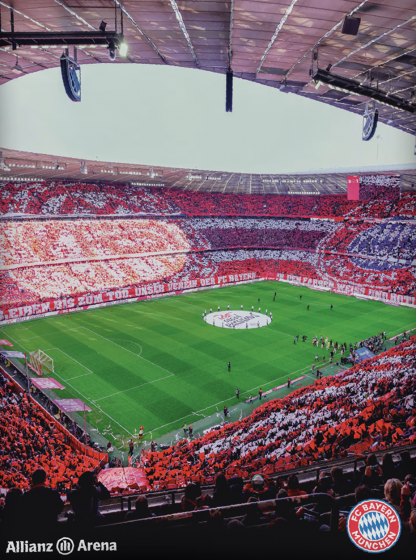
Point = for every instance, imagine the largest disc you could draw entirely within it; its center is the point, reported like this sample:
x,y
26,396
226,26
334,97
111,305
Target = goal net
x,y
41,362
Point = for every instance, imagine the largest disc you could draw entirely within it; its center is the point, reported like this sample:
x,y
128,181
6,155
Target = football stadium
x,y
198,357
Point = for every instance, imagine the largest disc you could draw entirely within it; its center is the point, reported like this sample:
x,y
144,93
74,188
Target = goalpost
x,y
41,362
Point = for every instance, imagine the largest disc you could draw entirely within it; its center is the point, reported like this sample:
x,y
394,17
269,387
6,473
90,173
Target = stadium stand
x,y
48,258
81,198
370,405
30,439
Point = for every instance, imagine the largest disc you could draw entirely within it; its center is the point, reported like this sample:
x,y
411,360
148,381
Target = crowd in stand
x,y
371,404
29,439
221,233
32,242
79,198
381,247
300,241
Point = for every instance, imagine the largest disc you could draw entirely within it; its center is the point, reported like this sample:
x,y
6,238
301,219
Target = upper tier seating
x,y
79,198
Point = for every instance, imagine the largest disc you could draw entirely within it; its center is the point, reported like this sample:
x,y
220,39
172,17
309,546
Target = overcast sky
x,y
175,117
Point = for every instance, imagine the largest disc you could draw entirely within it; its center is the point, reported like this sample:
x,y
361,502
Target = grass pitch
x,y
157,363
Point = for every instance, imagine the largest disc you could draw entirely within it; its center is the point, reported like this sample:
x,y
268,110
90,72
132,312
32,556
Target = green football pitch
x,y
156,363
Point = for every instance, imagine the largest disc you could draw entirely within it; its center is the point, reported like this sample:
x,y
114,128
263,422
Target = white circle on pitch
x,y
237,319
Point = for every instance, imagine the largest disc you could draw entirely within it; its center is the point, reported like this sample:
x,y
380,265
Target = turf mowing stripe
x,y
196,354
404,328
76,377
226,400
132,341
50,334
131,388
82,395
141,357
376,310
82,365
280,332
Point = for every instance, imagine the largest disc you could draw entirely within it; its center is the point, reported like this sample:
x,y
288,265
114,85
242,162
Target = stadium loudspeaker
x,y
229,93
351,25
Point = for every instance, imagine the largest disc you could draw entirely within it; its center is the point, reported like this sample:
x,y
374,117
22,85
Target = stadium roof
x,y
26,166
268,42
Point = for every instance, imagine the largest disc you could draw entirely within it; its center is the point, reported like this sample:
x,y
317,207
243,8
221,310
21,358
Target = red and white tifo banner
x,y
346,289
116,296
157,289
374,526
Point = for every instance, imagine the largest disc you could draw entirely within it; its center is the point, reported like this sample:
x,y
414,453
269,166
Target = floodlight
x,y
123,49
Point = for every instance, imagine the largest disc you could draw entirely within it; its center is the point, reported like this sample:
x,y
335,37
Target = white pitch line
x,y
226,400
83,375
375,311
317,302
79,392
50,334
79,363
280,332
131,388
132,341
391,332
126,350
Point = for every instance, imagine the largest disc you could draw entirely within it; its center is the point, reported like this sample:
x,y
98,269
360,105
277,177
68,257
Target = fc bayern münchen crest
x,y
374,526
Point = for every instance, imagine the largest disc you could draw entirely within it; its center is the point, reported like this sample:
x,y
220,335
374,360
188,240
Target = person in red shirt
x,y
293,487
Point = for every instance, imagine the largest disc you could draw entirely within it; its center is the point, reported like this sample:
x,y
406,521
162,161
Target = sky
x,y
175,117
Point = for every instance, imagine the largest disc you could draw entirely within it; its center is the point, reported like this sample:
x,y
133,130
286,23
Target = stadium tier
x,y
78,198
97,249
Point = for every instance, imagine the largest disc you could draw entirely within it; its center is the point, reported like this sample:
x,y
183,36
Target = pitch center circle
x,y
237,319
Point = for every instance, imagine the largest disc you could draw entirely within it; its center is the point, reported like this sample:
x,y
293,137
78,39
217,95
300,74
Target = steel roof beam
x,y
63,38
273,39
74,14
184,30
137,26
327,34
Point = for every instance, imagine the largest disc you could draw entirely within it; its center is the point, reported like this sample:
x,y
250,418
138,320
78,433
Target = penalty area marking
x,y
79,363
79,392
125,349
132,341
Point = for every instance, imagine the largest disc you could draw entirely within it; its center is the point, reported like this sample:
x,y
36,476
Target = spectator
x,y
85,500
293,487
40,506
340,486
392,493
141,511
10,514
373,473
222,494
388,467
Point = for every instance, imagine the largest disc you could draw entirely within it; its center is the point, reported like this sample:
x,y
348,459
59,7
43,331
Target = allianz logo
x,y
64,546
